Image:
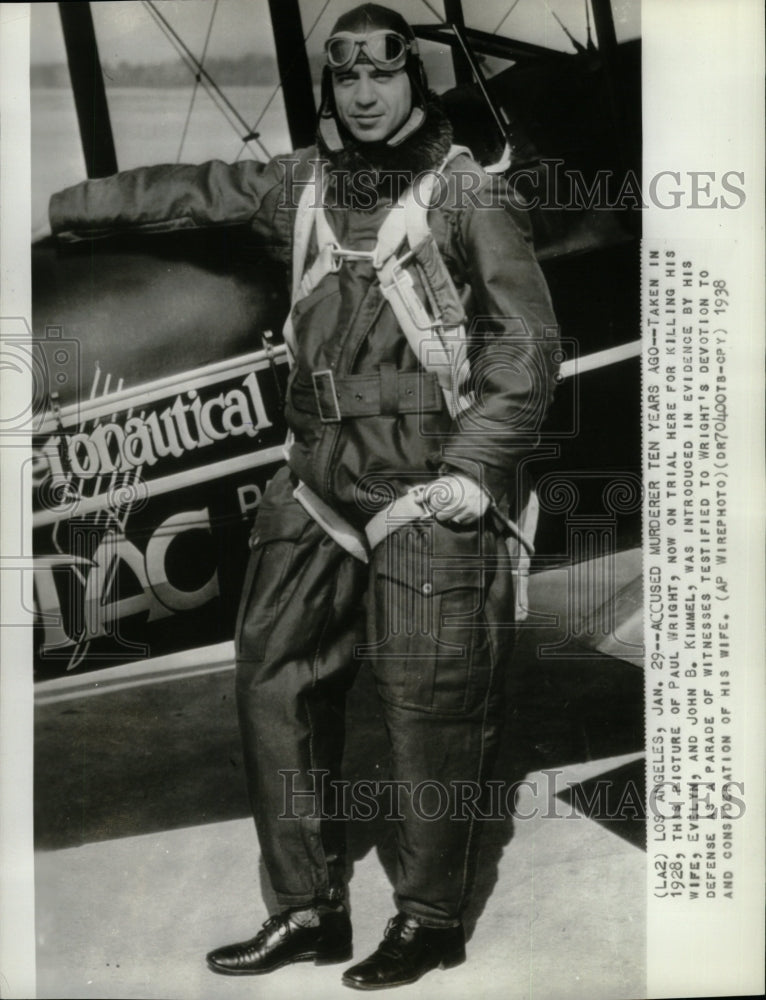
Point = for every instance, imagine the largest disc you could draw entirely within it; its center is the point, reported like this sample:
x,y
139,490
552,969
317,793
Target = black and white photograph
x,y
382,499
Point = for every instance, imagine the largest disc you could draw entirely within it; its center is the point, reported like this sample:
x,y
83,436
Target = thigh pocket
x,y
430,647
270,577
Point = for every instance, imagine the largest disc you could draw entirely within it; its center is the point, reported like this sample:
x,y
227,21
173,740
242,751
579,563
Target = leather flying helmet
x,y
381,37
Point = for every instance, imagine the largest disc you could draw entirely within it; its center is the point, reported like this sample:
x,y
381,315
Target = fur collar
x,y
395,167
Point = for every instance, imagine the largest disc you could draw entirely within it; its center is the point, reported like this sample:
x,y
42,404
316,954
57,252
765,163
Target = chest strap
x,y
434,329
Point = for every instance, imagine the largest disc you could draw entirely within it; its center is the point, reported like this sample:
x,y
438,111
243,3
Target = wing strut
x,y
88,87
294,71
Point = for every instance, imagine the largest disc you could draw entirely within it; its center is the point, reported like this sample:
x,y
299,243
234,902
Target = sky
x,y
126,30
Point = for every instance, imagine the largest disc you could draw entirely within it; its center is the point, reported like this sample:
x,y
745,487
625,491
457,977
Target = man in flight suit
x,y
427,603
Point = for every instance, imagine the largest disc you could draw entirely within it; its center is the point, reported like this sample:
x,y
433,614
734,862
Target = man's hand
x,y
456,498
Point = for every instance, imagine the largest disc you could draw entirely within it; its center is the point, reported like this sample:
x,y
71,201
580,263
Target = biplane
x,y
159,365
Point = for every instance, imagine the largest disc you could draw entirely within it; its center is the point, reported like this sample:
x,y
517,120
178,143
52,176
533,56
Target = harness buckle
x,y
316,378
339,254
331,251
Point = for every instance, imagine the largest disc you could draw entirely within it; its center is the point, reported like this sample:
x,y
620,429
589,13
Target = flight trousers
x,y
431,617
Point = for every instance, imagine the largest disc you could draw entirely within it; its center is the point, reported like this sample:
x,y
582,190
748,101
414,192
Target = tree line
x,y
246,70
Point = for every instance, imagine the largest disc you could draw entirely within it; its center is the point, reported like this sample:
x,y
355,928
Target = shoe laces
x,y
398,933
306,917
401,922
250,949
277,922
272,924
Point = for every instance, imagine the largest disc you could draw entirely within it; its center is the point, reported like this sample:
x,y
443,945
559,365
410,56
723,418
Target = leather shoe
x,y
408,950
322,933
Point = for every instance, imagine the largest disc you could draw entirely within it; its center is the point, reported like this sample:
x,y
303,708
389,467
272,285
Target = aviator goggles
x,y
386,50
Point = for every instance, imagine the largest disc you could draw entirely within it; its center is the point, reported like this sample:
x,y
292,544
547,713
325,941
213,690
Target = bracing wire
x,y
433,10
317,19
196,83
278,87
577,45
505,16
217,95
214,92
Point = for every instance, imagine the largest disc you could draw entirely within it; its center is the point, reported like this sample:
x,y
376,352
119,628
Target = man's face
x,y
372,103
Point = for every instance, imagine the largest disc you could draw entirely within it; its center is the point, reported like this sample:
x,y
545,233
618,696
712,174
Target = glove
x,y
457,498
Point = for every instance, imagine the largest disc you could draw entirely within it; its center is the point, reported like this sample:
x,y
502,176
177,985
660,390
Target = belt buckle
x,y
316,379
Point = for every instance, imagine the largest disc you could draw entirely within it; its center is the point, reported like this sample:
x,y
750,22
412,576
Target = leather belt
x,y
333,397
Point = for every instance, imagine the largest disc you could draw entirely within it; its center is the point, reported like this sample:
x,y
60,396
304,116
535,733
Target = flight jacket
x,y
345,326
